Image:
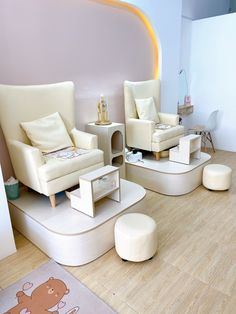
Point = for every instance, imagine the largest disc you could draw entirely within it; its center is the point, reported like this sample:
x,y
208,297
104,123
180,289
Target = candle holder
x,y
102,111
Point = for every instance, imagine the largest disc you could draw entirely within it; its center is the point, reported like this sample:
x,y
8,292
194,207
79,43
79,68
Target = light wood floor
x,y
193,272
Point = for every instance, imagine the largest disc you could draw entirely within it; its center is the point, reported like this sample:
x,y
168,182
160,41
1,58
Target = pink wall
x,y
96,46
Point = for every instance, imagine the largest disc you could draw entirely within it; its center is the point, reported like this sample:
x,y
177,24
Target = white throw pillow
x,y
48,134
146,109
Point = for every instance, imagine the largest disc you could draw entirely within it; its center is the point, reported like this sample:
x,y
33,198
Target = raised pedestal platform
x,y
167,177
67,235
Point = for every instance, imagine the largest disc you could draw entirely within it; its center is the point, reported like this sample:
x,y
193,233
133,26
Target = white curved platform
x,y
67,235
167,177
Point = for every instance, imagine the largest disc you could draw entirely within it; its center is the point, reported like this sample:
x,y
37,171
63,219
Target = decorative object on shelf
x,y
184,104
102,108
185,97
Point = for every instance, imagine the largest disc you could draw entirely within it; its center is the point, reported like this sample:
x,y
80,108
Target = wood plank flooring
x,y
193,272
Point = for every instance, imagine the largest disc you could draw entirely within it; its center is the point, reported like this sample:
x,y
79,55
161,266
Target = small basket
x,y
12,191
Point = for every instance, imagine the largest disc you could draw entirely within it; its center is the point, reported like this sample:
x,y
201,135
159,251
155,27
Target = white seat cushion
x,y
55,168
163,135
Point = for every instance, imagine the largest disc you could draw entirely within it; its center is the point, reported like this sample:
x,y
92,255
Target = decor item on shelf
x,y
141,133
185,106
43,122
185,97
187,100
102,109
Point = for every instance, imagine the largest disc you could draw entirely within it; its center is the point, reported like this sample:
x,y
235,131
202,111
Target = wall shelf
x,y
185,110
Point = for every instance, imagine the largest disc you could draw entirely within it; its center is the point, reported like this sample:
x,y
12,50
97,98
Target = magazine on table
x,y
162,126
66,153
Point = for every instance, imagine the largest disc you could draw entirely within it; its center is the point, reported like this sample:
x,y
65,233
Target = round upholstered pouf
x,y
135,237
217,177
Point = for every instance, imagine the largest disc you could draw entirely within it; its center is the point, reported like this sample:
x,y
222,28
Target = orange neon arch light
x,y
145,21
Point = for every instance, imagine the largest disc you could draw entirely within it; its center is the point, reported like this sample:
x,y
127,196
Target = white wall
x,y
213,68
7,243
198,9
165,17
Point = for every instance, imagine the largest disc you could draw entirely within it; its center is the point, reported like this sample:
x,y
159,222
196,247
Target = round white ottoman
x,y
217,177
135,237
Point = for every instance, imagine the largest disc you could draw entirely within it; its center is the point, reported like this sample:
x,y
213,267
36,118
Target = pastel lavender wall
x,y
96,46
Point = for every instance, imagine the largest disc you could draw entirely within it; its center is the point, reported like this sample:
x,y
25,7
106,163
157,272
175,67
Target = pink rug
x,y
51,289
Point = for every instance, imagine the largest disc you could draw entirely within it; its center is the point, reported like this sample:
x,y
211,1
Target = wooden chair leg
x,y
53,200
204,139
211,141
157,155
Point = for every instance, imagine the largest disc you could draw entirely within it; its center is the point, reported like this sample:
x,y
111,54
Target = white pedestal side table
x,y
111,139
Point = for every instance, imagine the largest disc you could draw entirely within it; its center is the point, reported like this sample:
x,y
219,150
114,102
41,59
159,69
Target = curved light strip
x,y
143,18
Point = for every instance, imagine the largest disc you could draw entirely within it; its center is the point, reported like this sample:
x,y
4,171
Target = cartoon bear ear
x,y
67,291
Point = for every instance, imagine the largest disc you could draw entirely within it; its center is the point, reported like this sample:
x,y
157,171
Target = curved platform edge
x,y
74,250
164,183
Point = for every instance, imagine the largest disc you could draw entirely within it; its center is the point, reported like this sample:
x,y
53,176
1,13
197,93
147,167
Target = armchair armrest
x,y
139,133
169,118
26,160
84,140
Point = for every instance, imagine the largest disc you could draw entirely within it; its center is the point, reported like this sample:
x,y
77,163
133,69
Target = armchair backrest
x,y
27,103
143,89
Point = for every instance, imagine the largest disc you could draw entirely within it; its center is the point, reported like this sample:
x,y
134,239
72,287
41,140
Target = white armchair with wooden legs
x,y
146,127
38,119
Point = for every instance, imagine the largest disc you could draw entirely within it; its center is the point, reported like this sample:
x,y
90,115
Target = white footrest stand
x,y
189,147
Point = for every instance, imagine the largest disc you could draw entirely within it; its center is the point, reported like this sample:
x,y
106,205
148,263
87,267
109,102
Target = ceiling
x,y
198,9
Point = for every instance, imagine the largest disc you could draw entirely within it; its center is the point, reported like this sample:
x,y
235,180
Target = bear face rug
x,y
51,290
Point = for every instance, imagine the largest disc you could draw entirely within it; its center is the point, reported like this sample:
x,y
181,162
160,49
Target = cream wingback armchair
x,y
23,104
145,123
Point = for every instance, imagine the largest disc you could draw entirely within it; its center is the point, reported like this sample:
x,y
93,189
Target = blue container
x,y
12,191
